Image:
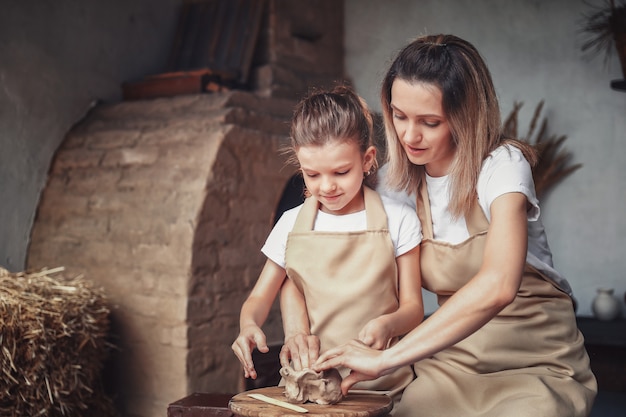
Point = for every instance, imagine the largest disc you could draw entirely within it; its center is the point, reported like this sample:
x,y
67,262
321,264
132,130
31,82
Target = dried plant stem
x,y
53,344
554,162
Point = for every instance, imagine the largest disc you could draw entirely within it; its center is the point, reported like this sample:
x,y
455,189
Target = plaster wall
x,y
57,59
533,50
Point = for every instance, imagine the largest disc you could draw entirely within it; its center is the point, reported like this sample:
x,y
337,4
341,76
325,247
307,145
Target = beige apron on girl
x,y
528,361
347,278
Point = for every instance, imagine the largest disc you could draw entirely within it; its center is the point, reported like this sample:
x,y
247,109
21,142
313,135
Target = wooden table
x,y
354,405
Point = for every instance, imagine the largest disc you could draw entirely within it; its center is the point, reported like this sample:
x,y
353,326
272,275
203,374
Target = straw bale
x,y
53,345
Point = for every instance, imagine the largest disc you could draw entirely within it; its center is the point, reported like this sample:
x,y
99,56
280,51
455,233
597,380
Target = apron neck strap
x,y
423,209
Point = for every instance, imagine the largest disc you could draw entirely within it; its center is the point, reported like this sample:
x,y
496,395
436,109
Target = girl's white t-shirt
x,y
505,170
402,221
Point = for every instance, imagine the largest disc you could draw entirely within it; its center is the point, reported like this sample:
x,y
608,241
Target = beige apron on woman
x,y
347,278
528,361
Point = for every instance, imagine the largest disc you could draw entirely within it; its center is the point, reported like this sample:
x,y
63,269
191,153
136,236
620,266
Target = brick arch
x,y
165,203
234,221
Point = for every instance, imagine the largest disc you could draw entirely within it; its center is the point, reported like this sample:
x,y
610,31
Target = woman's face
x,y
333,174
422,126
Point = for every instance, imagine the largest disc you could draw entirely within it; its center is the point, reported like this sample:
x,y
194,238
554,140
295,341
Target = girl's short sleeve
x,y
404,226
410,231
276,242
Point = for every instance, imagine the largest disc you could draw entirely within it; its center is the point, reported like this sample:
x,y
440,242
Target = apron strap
x,y
306,216
423,209
374,210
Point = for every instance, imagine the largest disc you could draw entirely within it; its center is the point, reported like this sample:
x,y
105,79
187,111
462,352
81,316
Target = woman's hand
x,y
302,349
250,337
366,363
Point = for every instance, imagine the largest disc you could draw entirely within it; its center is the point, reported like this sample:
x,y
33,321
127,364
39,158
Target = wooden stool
x,y
201,405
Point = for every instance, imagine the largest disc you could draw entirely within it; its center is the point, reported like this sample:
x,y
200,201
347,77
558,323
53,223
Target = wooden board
x,y
354,405
176,83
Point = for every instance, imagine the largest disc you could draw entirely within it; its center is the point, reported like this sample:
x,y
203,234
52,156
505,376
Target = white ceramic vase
x,y
605,306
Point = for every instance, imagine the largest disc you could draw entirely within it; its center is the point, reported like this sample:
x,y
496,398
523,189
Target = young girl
x,y
504,341
350,256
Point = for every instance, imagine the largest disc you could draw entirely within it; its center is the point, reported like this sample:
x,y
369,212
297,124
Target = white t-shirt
x,y
504,171
404,228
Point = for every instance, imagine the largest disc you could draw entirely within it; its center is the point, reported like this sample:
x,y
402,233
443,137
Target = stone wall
x,y
165,204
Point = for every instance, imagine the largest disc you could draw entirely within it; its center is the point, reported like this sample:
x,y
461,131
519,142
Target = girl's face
x,y
421,125
333,174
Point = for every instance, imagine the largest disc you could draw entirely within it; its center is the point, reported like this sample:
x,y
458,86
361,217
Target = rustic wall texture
x,y
166,203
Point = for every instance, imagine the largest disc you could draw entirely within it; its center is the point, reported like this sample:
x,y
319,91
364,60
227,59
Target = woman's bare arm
x,y
482,298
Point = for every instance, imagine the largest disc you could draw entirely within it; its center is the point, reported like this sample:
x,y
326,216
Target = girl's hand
x,y
302,349
376,334
366,363
249,338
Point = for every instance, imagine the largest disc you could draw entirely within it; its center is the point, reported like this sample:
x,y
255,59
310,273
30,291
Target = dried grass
x,y
555,162
53,345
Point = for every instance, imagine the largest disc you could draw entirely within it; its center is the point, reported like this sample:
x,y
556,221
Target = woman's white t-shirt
x,y
402,221
504,171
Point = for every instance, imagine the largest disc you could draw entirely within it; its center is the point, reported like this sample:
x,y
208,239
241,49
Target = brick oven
x,y
165,202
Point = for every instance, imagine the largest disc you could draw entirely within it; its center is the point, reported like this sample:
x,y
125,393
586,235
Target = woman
x,y
504,341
